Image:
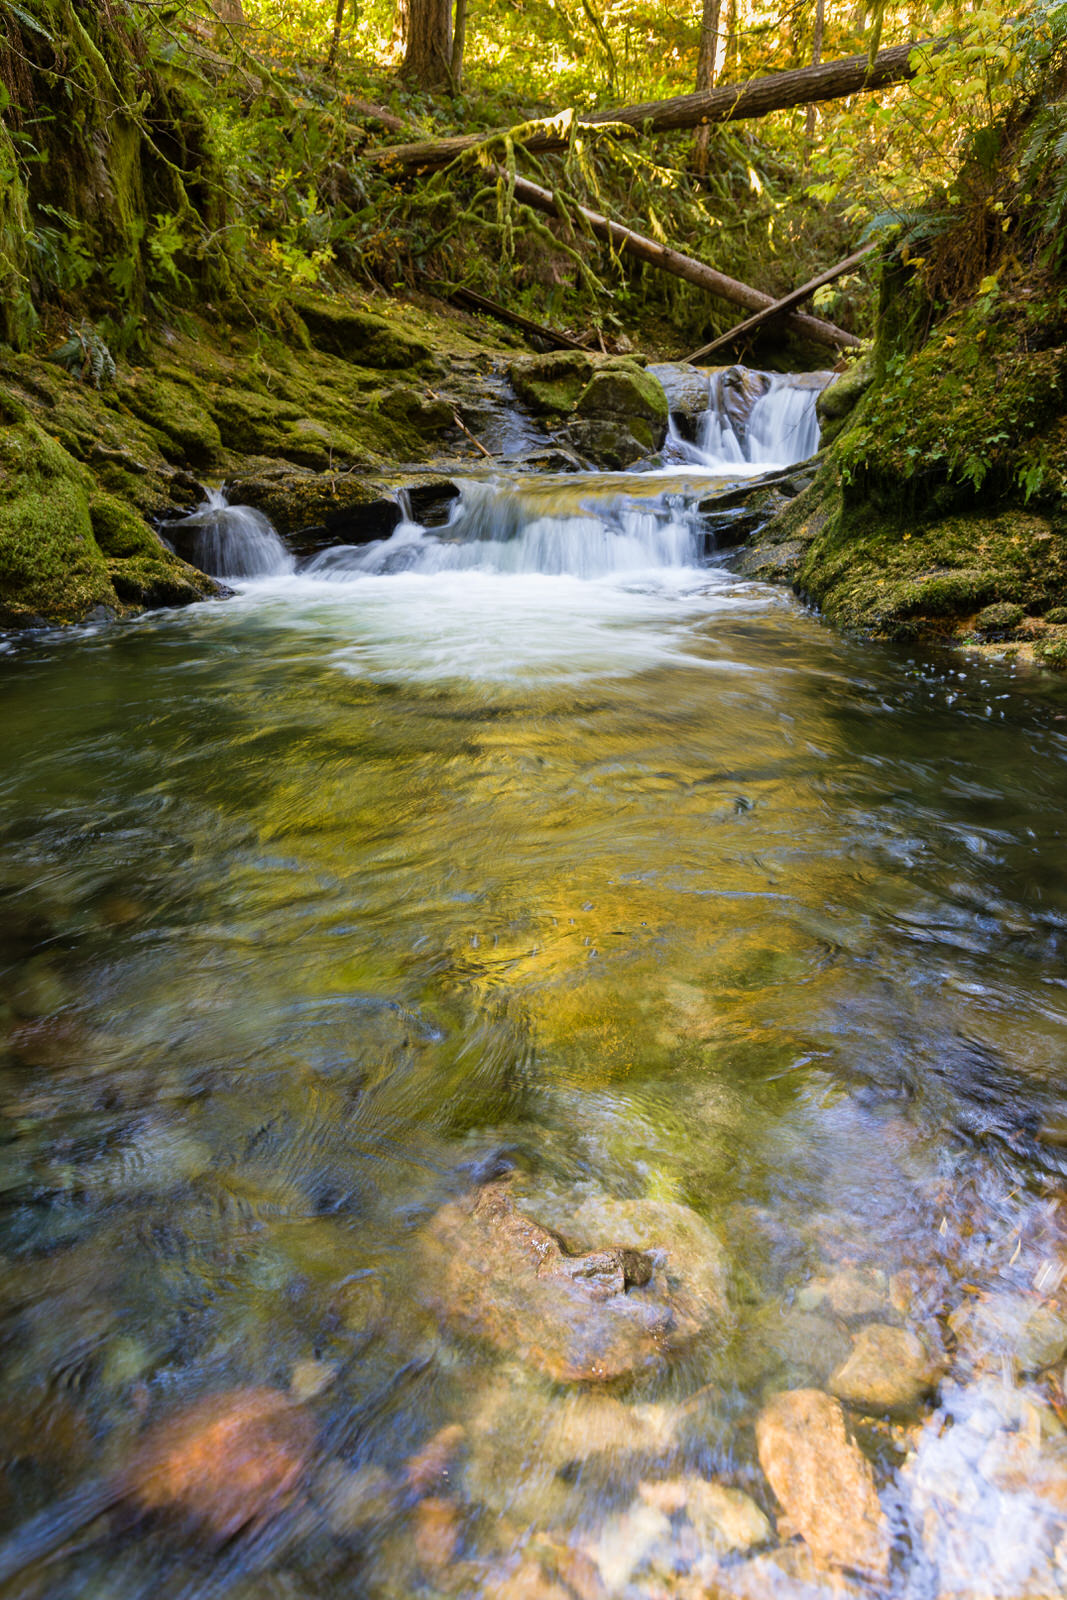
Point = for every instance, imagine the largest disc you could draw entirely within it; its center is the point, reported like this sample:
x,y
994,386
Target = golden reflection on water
x,y
308,946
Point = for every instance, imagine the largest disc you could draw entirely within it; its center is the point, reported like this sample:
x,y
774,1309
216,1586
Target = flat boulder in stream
x,y
496,1273
823,1482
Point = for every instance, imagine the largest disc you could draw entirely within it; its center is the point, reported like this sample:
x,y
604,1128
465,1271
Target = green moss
x,y
624,391
840,398
999,620
174,412
550,384
412,410
1053,653
1058,614
159,580
975,416
118,531
50,566
362,337
251,423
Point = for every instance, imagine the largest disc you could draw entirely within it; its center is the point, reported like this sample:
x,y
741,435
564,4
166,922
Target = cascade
x,y
578,524
761,419
230,541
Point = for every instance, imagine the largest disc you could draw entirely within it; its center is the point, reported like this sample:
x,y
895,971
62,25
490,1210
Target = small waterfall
x,y
579,525
761,419
230,541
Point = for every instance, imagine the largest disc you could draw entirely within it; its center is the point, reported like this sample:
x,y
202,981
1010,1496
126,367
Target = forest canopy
x,y
241,139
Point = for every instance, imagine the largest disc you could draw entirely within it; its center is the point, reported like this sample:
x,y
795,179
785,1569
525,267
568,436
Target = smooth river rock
x,y
726,1520
231,1461
493,1272
823,1482
889,1370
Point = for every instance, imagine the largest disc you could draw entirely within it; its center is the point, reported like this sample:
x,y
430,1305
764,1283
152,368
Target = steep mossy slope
x,y
944,491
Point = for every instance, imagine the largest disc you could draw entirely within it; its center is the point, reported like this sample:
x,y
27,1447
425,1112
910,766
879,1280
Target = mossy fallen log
x,y
665,259
734,102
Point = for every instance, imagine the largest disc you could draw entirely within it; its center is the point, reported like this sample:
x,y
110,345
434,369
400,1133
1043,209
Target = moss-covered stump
x,y
941,506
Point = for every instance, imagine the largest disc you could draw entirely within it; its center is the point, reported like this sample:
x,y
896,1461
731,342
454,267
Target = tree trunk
x,y
779,307
229,11
459,43
709,48
335,38
816,57
428,59
728,103
681,266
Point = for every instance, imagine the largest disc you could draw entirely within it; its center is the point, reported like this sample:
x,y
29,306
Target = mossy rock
x,y
1000,620
837,402
362,338
177,416
614,446
251,423
51,569
622,392
409,409
142,570
975,416
1052,653
549,385
1057,615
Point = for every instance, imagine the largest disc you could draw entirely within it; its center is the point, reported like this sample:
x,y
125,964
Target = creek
x,y
534,844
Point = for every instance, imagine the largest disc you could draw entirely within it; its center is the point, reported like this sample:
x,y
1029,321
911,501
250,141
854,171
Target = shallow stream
x,y
537,844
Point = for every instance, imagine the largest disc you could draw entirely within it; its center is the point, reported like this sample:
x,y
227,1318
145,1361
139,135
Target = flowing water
x,y
537,843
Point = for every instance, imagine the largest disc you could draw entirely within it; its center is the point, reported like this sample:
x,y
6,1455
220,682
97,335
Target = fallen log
x,y
831,80
682,266
493,308
780,307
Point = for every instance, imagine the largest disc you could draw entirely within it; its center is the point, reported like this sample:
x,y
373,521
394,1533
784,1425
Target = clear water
x,y
320,901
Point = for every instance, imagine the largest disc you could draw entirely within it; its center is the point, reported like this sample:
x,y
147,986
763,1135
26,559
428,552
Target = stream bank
x,y
939,509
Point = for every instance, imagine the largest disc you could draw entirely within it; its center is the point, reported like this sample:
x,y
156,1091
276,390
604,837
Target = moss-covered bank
x,y
943,490
307,418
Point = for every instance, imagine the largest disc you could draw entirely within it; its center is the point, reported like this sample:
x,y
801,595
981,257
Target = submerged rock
x,y
694,1262
726,1520
823,1482
230,1461
889,1369
495,1273
1030,1334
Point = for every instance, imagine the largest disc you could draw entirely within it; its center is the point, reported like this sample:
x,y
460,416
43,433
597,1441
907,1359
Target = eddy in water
x,y
530,1068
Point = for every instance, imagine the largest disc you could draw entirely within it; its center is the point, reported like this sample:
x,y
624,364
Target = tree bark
x,y
335,37
706,59
816,58
779,307
459,43
229,11
681,266
833,80
428,59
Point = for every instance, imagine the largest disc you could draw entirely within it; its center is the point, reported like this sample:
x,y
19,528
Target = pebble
x,y
310,1378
